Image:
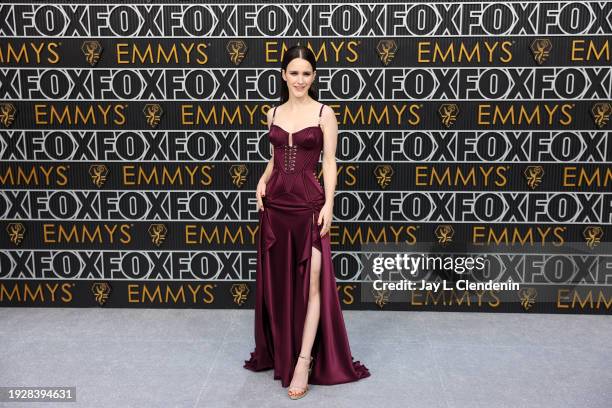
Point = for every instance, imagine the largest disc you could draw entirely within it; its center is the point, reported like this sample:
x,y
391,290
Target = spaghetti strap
x,y
320,111
273,114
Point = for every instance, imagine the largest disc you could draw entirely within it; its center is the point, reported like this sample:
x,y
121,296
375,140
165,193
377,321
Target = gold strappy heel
x,y
299,394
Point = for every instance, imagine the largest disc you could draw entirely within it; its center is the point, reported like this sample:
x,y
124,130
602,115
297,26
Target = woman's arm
x,y
268,171
329,125
260,191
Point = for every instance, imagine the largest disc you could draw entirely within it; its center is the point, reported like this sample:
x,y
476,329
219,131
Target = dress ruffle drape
x,y
281,301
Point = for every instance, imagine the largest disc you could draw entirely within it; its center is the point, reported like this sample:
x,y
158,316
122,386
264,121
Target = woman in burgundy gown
x,y
299,327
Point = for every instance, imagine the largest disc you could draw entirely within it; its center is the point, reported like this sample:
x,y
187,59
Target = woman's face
x,y
299,76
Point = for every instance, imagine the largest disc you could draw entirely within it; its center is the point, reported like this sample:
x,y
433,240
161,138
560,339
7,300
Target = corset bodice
x,y
302,155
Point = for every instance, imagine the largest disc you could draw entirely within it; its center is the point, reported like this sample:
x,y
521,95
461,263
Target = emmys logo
x,y
236,50
534,175
92,50
381,297
158,233
592,236
444,234
98,173
383,174
152,112
101,291
239,292
527,297
238,173
386,50
601,113
540,48
448,113
15,232
7,114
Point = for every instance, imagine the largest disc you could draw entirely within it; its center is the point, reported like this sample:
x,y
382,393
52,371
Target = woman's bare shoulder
x,y
328,114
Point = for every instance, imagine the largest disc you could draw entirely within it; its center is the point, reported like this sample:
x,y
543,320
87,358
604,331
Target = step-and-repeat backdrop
x,y
132,137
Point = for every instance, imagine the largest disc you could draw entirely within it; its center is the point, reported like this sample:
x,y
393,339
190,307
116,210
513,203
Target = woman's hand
x,y
260,192
325,217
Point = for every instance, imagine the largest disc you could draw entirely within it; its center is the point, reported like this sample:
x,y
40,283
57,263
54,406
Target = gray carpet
x,y
193,358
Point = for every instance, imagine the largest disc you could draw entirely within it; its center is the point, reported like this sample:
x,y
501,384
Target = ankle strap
x,y
306,358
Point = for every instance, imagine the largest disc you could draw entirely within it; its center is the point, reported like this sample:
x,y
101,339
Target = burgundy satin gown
x,y
288,231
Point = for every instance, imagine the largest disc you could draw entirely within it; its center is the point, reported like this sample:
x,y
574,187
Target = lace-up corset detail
x,y
289,155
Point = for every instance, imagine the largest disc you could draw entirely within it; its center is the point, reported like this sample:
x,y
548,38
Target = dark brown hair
x,y
298,51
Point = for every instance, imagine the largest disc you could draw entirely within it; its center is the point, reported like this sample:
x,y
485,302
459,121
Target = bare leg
x,y
300,373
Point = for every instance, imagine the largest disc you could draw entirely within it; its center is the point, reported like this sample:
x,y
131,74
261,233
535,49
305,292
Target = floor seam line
x,y
215,359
